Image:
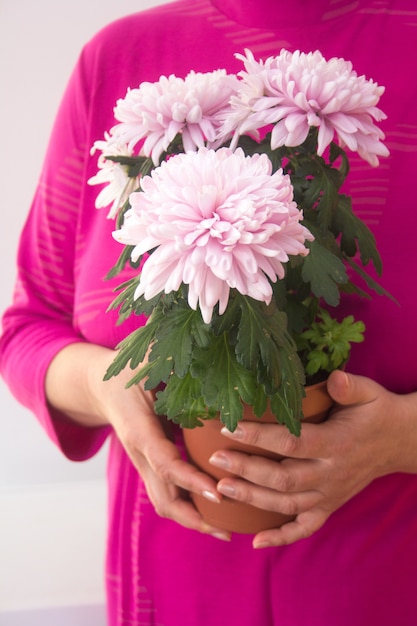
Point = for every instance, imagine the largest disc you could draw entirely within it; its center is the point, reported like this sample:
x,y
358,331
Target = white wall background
x,y
52,511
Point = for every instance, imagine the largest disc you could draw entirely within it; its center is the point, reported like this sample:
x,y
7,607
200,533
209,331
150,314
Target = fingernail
x,y
219,460
236,434
226,490
261,544
221,536
209,495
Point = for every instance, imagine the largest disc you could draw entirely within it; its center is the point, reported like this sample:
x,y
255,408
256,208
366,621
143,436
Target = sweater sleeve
x,y
40,320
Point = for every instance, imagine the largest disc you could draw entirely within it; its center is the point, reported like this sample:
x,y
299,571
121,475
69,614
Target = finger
x,y
304,525
349,389
286,476
163,457
173,503
165,460
183,512
312,443
287,503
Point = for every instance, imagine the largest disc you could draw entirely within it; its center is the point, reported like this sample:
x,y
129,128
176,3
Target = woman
x,y
351,482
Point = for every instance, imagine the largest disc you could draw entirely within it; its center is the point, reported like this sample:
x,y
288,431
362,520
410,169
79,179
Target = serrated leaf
x,y
121,262
371,283
329,341
126,289
140,306
324,271
318,185
230,318
260,403
135,165
225,382
335,152
181,401
317,360
128,304
172,349
144,372
285,411
263,342
355,235
132,349
286,402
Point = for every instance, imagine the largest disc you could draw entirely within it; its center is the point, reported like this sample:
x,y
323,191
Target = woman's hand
x,y
370,433
167,477
75,386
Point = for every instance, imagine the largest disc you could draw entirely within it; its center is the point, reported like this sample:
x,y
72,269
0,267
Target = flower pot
x,y
202,442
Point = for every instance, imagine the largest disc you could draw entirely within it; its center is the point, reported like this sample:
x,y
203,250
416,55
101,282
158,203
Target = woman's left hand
x,y
370,433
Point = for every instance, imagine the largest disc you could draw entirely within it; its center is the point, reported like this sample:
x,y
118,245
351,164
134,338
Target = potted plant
x,y
227,193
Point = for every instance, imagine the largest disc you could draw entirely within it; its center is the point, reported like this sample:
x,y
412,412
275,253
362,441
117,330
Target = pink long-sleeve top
x,y
360,568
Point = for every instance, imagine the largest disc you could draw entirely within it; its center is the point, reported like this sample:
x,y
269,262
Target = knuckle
x,y
306,531
254,436
242,491
289,506
268,437
161,510
241,469
161,469
314,522
282,480
289,445
246,495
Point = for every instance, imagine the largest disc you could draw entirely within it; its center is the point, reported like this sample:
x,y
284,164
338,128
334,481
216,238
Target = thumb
x,y
347,389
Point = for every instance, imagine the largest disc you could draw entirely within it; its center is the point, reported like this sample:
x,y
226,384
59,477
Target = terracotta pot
x,y
202,442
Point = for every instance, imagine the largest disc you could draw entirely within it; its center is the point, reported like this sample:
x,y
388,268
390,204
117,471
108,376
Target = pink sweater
x,y
360,568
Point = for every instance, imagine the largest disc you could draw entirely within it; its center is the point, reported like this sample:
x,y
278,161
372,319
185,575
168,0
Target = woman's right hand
x,y
75,386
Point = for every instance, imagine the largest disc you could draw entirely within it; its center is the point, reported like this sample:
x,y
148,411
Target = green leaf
x,y
127,289
355,235
230,319
317,360
175,328
316,188
329,341
323,189
128,304
144,372
335,152
225,382
286,402
324,271
181,401
287,409
260,403
121,263
140,306
135,165
132,349
255,342
174,338
371,283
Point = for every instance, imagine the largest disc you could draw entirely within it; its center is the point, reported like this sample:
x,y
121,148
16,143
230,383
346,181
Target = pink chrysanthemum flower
x,y
216,220
157,112
296,91
118,183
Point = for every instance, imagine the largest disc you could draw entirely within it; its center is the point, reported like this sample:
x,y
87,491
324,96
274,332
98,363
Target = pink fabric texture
x,y
360,568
